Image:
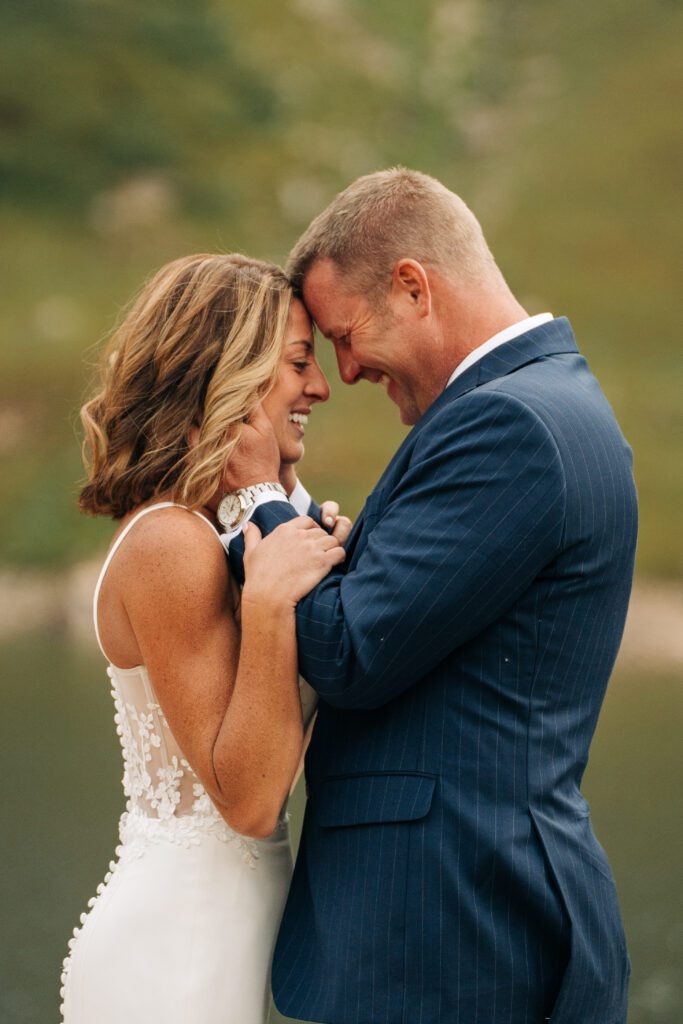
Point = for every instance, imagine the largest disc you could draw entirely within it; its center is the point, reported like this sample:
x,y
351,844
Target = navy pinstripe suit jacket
x,y
448,871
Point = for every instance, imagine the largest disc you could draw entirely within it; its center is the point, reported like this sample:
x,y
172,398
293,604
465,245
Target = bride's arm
x,y
259,744
233,708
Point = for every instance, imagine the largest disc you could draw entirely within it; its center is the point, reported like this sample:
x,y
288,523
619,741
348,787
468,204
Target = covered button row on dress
x,y
77,930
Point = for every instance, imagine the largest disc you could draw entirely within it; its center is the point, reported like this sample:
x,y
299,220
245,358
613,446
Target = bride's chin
x,y
292,455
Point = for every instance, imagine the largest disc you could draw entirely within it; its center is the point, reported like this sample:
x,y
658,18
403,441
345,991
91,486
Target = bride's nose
x,y
317,389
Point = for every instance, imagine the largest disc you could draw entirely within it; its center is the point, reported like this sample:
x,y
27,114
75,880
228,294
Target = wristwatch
x,y
235,506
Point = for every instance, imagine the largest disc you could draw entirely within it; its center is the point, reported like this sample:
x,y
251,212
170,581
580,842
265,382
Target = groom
x,y
448,870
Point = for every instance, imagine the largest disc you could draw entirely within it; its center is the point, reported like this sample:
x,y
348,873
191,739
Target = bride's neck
x,y
288,476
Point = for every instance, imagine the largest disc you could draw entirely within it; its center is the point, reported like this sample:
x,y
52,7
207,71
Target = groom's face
x,y
377,345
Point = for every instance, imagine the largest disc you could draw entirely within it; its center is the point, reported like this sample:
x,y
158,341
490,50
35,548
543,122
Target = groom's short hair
x,y
389,215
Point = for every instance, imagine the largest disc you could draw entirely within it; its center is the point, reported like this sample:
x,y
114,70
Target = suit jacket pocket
x,y
373,798
356,865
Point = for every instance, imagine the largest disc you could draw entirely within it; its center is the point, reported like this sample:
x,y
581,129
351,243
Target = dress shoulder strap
x,y
117,543
208,522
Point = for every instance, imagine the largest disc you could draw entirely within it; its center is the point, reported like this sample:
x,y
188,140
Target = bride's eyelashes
x,y
301,367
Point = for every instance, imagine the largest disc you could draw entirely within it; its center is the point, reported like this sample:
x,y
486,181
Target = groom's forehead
x,y
324,284
329,303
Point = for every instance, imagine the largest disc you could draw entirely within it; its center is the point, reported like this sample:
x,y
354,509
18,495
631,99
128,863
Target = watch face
x,y
229,511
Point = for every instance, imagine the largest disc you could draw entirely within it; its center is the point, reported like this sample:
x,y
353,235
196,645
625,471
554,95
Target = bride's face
x,y
300,384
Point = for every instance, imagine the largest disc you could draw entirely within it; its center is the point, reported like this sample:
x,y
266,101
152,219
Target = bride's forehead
x,y
302,345
299,318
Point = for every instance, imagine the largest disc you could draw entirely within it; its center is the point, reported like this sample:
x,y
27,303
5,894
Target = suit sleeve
x,y
234,544
477,515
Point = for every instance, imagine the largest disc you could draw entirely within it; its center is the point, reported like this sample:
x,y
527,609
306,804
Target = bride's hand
x,y
283,567
329,515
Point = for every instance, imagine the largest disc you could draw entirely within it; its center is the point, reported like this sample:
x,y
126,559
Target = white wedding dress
x,y
183,927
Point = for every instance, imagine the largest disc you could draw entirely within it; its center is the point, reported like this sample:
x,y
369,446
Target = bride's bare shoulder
x,y
174,548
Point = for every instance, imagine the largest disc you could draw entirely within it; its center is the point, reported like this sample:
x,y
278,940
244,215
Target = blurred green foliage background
x,y
133,133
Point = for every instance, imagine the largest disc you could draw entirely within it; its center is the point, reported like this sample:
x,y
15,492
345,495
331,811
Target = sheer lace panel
x,y
158,781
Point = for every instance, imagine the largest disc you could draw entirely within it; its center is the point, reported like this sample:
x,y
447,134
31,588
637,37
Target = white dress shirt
x,y
300,499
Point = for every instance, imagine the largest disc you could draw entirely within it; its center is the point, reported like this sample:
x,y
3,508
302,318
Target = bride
x,y
204,679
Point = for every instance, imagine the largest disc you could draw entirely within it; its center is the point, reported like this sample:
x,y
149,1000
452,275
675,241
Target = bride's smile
x,y
300,383
300,419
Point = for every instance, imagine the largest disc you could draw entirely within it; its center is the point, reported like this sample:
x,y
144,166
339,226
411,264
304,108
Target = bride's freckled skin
x,y
300,384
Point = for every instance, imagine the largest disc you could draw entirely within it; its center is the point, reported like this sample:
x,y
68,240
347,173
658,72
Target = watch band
x,y
235,506
254,490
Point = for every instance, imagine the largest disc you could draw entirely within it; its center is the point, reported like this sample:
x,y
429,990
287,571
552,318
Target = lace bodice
x,y
158,781
165,799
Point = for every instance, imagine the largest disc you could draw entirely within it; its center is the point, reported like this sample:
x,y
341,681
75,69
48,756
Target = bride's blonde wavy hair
x,y
200,348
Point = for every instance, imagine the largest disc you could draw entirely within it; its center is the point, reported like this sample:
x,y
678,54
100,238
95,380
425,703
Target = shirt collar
x,y
300,499
514,331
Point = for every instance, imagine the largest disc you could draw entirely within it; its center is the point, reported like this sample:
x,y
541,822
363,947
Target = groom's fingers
x,y
258,419
256,457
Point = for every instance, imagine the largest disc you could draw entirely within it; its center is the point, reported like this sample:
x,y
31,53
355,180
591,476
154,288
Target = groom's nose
x,y
349,370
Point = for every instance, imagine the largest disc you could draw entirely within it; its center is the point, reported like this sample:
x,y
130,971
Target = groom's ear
x,y
410,286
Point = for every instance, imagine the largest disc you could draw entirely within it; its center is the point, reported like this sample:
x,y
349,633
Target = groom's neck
x,y
468,318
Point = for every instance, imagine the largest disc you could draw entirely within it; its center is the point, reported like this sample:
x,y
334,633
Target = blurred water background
x,y
132,134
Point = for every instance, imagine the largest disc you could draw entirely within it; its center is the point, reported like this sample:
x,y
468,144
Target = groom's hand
x,y
256,459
